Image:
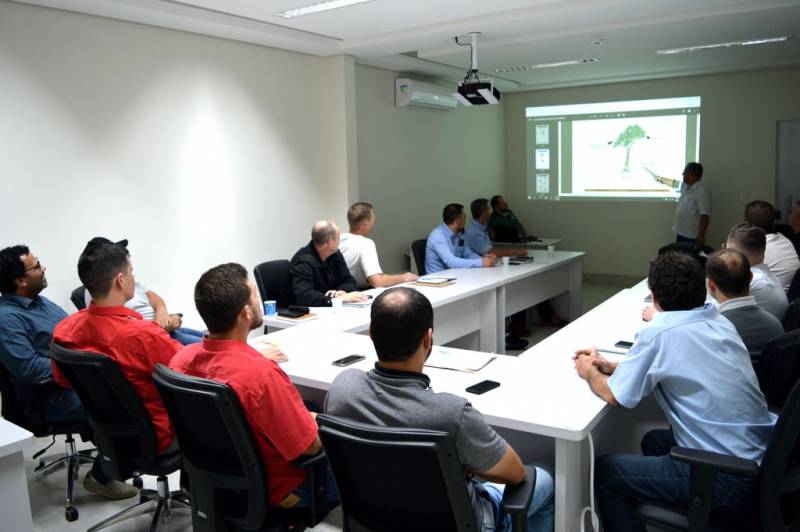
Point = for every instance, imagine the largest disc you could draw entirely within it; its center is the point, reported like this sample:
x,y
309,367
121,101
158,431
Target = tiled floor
x,y
47,494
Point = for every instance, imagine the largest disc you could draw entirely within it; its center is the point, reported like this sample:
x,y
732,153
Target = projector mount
x,y
475,90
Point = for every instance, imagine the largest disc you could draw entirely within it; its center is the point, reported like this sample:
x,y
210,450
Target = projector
x,y
481,92
475,90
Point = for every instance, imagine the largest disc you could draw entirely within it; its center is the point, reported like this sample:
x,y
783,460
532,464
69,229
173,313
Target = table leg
x,y
489,312
15,507
571,485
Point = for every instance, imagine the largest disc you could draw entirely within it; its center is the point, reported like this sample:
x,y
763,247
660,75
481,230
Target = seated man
x,y
110,328
282,426
779,255
764,287
728,279
318,272
27,320
479,242
151,306
397,394
694,362
359,251
791,230
502,216
446,248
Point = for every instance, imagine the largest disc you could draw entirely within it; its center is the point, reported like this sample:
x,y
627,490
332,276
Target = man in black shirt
x,y
318,273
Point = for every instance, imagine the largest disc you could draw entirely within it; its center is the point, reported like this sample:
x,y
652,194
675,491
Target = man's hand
x,y
649,312
590,353
585,365
163,319
353,297
273,353
175,321
409,277
489,260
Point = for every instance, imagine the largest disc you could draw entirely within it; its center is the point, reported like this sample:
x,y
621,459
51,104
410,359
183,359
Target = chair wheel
x,y
70,513
138,482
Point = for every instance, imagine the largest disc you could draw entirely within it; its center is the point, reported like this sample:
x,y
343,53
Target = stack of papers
x,y
459,360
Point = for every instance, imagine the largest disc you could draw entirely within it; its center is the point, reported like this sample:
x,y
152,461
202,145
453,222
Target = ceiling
x,y
416,37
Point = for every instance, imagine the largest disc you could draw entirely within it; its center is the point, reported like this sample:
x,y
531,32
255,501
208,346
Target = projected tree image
x,y
627,139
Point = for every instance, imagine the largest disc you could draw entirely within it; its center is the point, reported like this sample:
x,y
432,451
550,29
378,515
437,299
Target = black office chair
x,y
777,483
418,254
407,479
271,279
22,405
78,297
791,320
122,430
689,249
228,484
794,288
780,368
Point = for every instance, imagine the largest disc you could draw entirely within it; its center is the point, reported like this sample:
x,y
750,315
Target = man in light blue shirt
x,y
694,362
446,248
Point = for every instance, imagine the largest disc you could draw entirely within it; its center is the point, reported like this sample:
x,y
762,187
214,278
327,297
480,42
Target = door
x,y
787,188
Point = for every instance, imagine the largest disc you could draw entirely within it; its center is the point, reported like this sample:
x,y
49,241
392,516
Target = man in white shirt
x,y
751,240
359,251
780,254
694,207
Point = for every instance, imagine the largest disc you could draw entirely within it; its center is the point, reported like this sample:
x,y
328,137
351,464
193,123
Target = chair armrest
x,y
309,461
517,498
722,463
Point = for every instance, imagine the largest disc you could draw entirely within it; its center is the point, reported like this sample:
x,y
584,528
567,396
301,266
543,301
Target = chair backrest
x,y
780,368
78,297
271,278
228,482
506,233
688,248
779,478
791,320
122,428
794,288
13,409
396,479
418,254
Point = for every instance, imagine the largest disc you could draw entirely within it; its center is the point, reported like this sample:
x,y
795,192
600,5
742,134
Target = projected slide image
x,y
625,155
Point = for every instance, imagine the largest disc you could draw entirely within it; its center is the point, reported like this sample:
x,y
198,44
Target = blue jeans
x,y
540,513
622,479
327,492
187,336
62,405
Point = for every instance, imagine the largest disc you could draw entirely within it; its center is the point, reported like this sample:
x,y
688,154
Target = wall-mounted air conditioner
x,y
414,93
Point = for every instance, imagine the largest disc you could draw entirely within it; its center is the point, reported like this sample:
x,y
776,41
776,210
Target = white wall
x,y
737,148
199,150
412,162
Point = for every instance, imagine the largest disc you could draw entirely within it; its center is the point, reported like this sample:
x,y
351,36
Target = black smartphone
x,y
350,359
648,298
622,344
483,387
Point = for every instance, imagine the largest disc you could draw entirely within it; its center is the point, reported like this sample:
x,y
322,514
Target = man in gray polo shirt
x,y
728,280
397,394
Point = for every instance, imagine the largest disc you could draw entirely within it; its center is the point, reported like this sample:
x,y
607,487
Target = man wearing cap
x,y
151,306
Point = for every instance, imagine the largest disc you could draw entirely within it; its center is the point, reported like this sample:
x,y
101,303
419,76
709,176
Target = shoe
x,y
515,343
114,489
520,330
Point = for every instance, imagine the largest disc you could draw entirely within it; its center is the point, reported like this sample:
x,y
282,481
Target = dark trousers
x,y
622,479
680,238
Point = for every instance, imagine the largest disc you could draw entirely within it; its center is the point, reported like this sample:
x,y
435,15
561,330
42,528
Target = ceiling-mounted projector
x,y
475,90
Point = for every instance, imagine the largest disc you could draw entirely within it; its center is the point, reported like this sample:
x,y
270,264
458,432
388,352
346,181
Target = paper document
x,y
459,360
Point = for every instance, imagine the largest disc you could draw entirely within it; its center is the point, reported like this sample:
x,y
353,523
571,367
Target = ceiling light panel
x,y
547,65
732,44
318,8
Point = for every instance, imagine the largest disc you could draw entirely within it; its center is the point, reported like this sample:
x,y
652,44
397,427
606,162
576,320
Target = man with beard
x,y
446,247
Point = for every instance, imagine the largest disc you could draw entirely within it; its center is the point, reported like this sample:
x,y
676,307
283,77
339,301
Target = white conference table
x,y
15,507
542,243
479,300
540,392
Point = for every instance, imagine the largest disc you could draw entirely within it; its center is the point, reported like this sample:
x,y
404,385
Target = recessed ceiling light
x,y
318,7
547,65
732,44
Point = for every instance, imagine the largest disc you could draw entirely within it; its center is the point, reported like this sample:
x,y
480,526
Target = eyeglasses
x,y
37,266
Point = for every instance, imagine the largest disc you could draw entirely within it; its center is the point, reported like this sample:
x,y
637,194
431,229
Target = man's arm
x,y
305,293
382,279
160,308
509,470
442,249
701,231
18,354
596,370
667,181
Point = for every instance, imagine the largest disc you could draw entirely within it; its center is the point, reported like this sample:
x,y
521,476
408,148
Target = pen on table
x,y
612,351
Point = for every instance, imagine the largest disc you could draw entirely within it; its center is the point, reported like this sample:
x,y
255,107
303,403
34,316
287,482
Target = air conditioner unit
x,y
414,93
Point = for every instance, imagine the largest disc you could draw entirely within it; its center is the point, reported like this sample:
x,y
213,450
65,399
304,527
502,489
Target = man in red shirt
x,y
283,428
108,328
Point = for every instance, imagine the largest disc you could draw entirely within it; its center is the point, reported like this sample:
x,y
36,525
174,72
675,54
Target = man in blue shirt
x,y
27,320
446,248
694,362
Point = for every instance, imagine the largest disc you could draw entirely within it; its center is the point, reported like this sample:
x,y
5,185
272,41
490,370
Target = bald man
x,y
318,273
